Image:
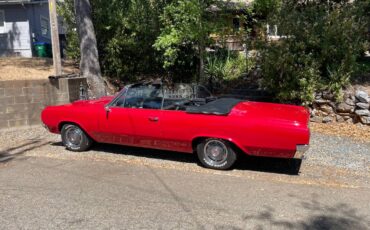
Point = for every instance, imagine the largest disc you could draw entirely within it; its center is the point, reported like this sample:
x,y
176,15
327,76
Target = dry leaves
x,y
16,68
354,131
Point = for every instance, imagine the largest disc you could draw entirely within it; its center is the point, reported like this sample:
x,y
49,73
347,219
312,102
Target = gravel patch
x,y
325,150
356,132
339,151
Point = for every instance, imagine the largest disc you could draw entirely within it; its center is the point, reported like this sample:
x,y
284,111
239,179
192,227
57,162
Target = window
x,y
271,30
142,97
272,33
2,21
45,27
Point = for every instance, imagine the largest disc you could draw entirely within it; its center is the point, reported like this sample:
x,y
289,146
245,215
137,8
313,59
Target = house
x,y
23,22
233,12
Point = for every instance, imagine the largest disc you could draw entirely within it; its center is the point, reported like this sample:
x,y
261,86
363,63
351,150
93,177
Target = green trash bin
x,y
42,49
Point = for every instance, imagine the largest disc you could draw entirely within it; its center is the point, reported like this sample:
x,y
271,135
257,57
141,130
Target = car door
x,y
147,127
115,125
178,127
134,117
143,104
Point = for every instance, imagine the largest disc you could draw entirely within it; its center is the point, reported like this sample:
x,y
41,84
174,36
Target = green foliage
x,y
265,8
66,10
363,66
319,51
186,23
221,67
126,30
135,36
146,37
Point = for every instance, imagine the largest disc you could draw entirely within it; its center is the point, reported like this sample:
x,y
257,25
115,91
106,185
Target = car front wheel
x,y
216,154
75,139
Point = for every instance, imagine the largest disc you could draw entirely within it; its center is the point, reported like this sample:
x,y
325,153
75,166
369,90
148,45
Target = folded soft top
x,y
222,106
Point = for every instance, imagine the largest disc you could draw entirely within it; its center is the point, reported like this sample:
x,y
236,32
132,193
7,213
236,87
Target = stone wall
x,y
354,108
22,101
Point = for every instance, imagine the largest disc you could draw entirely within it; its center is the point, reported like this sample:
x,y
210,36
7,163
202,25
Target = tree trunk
x,y
89,63
201,74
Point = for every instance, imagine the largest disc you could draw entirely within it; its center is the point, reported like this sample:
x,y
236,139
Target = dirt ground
x,y
353,131
16,68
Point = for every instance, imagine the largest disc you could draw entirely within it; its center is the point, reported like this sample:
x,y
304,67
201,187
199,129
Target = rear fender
x,y
231,140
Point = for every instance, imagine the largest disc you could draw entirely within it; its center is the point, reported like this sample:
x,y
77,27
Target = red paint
x,y
259,129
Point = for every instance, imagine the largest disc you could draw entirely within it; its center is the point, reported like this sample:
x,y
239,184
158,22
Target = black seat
x,y
222,106
153,103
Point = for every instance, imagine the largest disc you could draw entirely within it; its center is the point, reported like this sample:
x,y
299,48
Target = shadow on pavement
x,y
14,152
261,164
339,217
146,153
264,164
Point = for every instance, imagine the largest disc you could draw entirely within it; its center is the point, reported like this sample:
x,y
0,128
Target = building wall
x,y
16,41
35,12
23,26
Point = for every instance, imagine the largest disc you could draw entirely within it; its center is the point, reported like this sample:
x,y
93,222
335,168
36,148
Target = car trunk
x,y
277,111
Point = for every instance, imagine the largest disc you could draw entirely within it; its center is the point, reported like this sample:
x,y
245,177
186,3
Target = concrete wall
x,y
21,102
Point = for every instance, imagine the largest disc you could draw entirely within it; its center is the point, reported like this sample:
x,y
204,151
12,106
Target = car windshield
x,y
158,96
140,96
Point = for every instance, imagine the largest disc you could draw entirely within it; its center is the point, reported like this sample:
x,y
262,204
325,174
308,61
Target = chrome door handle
x,y
154,119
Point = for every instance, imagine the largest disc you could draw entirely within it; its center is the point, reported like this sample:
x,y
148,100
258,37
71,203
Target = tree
x,y
146,38
186,23
89,63
126,36
66,10
321,44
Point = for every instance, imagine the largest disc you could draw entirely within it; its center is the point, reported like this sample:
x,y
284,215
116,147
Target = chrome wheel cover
x,y
215,153
73,137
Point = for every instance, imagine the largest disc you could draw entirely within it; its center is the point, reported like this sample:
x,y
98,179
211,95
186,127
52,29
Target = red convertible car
x,y
217,129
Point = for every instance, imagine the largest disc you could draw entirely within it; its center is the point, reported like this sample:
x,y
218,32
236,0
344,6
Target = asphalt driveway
x,y
43,186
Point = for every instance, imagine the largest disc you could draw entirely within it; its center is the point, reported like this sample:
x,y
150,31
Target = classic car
x,y
217,129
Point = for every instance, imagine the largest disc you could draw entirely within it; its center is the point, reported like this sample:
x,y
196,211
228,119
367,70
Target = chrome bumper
x,y
300,150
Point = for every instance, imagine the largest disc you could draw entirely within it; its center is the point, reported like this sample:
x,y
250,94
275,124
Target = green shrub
x,y
66,10
319,50
220,67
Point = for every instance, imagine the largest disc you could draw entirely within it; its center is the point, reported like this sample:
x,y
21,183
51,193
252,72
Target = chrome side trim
x,y
300,151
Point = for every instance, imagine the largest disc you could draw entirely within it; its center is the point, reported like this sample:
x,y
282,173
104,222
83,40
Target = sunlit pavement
x,y
44,186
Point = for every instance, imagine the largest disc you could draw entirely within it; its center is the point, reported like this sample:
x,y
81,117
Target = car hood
x,y
272,111
102,100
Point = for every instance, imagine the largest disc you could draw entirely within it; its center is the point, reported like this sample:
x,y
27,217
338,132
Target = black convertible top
x,y
222,106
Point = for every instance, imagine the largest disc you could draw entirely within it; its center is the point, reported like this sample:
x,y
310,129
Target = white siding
x,y
16,40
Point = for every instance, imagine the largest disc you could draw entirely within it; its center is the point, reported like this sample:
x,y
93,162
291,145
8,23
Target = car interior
x,y
152,96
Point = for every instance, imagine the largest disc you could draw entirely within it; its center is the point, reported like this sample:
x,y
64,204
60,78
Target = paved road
x,y
47,193
43,186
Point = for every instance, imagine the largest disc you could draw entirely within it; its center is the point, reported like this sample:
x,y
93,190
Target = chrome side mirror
x,y
107,109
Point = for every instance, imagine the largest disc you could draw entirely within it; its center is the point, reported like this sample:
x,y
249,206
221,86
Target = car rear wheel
x,y
216,154
75,139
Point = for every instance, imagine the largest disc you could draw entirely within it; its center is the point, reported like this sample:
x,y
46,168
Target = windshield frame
x,y
116,98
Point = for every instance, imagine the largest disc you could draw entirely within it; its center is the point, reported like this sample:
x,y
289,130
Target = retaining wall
x,y
22,101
